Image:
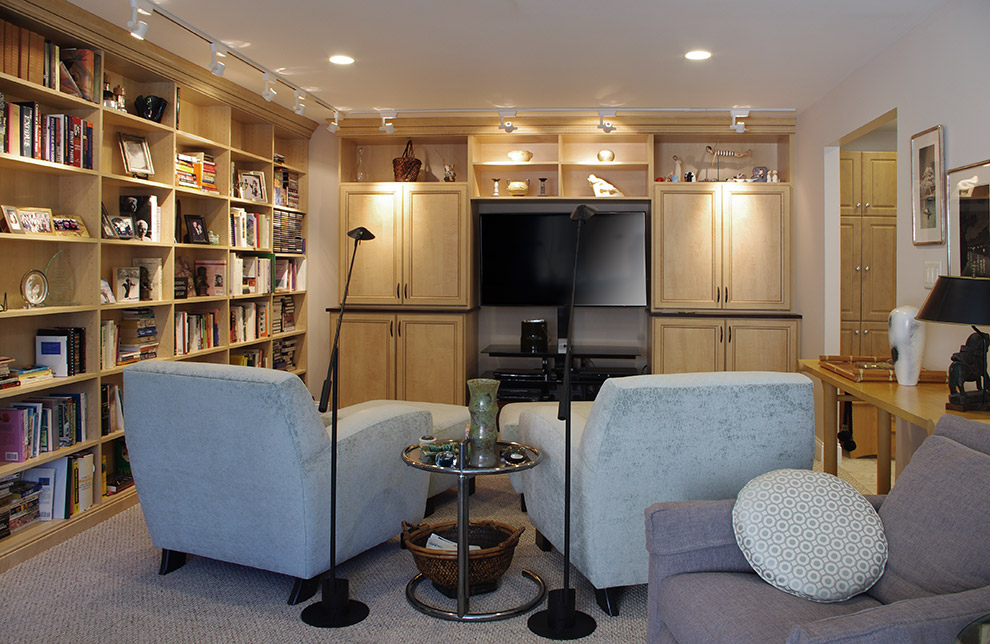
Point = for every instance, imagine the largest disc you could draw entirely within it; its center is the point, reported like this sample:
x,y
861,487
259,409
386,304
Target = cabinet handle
x,y
718,298
726,294
397,292
405,291
392,335
721,333
398,327
730,334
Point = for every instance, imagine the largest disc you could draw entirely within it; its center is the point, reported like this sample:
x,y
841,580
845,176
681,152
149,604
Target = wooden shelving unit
x,y
204,113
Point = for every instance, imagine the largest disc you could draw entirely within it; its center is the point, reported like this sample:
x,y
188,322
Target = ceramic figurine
x,y
603,188
689,177
907,344
448,173
677,168
495,189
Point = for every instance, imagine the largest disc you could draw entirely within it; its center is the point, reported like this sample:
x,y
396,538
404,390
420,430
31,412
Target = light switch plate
x,y
932,271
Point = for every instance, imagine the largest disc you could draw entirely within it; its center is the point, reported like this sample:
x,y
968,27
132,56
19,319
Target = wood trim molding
x,y
60,18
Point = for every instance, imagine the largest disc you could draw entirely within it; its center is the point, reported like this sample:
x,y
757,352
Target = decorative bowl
x,y
606,156
518,188
520,156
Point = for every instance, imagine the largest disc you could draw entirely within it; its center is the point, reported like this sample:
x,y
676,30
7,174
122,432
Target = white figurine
x,y
677,168
603,188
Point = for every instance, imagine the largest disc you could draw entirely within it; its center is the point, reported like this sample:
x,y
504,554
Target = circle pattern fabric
x,y
810,534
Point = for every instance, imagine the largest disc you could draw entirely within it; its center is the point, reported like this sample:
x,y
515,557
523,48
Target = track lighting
x,y
216,65
269,92
300,107
335,125
386,126
603,125
506,125
139,28
738,113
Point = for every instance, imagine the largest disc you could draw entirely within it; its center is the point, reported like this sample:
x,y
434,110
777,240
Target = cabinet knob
x,y
859,205
867,269
857,269
867,204
856,332
866,332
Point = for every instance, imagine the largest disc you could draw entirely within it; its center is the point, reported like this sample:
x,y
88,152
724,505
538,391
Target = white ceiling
x,y
463,54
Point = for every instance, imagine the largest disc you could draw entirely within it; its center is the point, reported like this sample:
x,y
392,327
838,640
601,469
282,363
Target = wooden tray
x,y
873,369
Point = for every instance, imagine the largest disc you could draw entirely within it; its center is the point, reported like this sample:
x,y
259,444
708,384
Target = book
x,y
210,277
87,472
150,278
13,435
126,283
53,351
81,65
45,476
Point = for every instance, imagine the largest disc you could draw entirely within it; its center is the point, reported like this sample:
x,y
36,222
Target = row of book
x,y
63,349
283,314
28,55
286,188
41,424
287,232
57,138
284,354
248,321
133,338
251,274
249,229
196,331
18,376
249,357
111,409
288,275
196,170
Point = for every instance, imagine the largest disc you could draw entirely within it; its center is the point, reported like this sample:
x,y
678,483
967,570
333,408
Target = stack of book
x,y
7,379
287,235
19,507
137,336
283,314
205,168
249,358
196,330
185,170
284,354
286,188
30,375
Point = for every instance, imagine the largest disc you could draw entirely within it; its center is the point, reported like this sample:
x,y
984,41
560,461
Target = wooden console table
x,y
921,405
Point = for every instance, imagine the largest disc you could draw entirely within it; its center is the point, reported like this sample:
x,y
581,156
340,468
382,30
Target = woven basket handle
x,y
408,152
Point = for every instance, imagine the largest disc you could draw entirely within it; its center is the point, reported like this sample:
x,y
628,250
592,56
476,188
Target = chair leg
x,y
608,600
303,589
522,503
171,560
471,485
431,507
542,543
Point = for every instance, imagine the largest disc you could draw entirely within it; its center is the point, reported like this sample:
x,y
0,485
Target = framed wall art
x,y
251,186
927,187
969,219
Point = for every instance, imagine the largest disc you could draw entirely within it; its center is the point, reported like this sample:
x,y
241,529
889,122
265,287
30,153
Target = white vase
x,y
907,344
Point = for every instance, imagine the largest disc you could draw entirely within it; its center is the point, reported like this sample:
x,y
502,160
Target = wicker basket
x,y
486,566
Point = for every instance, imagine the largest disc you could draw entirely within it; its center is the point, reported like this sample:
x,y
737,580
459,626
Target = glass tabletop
x,y
412,456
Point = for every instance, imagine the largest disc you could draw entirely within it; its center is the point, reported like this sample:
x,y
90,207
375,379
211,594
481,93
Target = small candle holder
x,y
495,189
543,186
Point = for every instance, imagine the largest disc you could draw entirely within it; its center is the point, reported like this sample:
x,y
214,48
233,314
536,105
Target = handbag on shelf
x,y
406,167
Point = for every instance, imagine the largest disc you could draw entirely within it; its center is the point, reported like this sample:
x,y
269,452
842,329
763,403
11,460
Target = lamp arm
x,y
331,371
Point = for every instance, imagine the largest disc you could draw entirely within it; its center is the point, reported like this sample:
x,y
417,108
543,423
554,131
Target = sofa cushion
x,y
810,534
748,610
937,522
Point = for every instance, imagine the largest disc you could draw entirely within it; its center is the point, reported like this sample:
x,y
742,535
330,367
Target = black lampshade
x,y
958,300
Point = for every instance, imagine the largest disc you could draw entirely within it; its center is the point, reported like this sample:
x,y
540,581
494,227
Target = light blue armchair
x,y
657,437
233,463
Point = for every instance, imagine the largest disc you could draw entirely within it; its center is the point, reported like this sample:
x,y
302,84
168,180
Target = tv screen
x,y
527,259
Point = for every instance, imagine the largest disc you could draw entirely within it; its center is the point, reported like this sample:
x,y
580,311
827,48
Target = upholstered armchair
x,y
936,522
233,463
646,438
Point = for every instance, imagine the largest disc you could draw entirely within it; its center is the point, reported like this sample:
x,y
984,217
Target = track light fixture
x,y
603,125
387,127
738,113
138,27
269,92
506,125
335,125
217,52
299,108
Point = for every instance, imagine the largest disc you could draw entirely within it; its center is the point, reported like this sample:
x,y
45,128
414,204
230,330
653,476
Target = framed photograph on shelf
x,y
928,187
11,220
123,226
136,155
36,220
127,283
251,186
69,226
196,228
108,230
969,220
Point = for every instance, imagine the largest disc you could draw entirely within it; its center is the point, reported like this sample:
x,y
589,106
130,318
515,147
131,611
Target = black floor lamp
x,y
560,620
336,609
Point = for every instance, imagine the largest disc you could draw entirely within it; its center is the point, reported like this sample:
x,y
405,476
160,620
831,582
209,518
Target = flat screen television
x,y
527,256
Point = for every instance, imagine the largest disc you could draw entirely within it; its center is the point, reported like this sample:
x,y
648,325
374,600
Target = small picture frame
x,y
969,220
11,220
123,226
36,220
196,229
108,229
69,226
127,283
251,186
760,174
927,187
106,293
136,154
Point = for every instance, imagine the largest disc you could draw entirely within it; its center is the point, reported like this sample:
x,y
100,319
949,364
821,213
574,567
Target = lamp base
x,y
560,621
336,610
980,406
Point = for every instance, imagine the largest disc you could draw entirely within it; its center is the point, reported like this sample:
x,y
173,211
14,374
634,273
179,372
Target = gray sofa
x,y
233,463
937,579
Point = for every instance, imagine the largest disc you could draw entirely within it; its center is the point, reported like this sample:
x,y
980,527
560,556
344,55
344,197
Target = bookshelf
x,y
238,132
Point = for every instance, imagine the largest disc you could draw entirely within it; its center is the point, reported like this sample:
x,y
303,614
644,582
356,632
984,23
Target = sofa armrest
x,y
697,535
925,619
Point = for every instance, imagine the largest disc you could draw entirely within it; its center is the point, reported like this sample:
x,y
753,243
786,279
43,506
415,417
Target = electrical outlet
x,y
932,271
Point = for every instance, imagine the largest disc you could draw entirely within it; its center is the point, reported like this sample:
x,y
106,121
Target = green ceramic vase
x,y
483,431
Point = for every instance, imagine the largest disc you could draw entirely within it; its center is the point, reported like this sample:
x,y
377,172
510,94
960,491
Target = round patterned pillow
x,y
810,534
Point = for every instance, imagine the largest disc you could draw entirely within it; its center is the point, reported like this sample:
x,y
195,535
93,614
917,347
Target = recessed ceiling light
x,y
340,59
698,54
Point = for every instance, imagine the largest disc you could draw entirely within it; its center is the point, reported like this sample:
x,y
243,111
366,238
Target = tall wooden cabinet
x,y
205,114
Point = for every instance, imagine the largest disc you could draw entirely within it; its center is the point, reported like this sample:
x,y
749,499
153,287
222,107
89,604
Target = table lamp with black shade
x,y
560,620
336,609
964,300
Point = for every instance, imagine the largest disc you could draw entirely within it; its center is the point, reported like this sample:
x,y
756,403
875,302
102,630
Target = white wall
x,y
934,75
321,253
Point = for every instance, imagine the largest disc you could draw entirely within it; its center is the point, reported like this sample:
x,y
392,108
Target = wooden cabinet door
x,y
879,257
761,344
437,246
850,183
880,184
367,357
849,339
875,340
430,360
850,263
683,345
687,247
378,268
756,246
